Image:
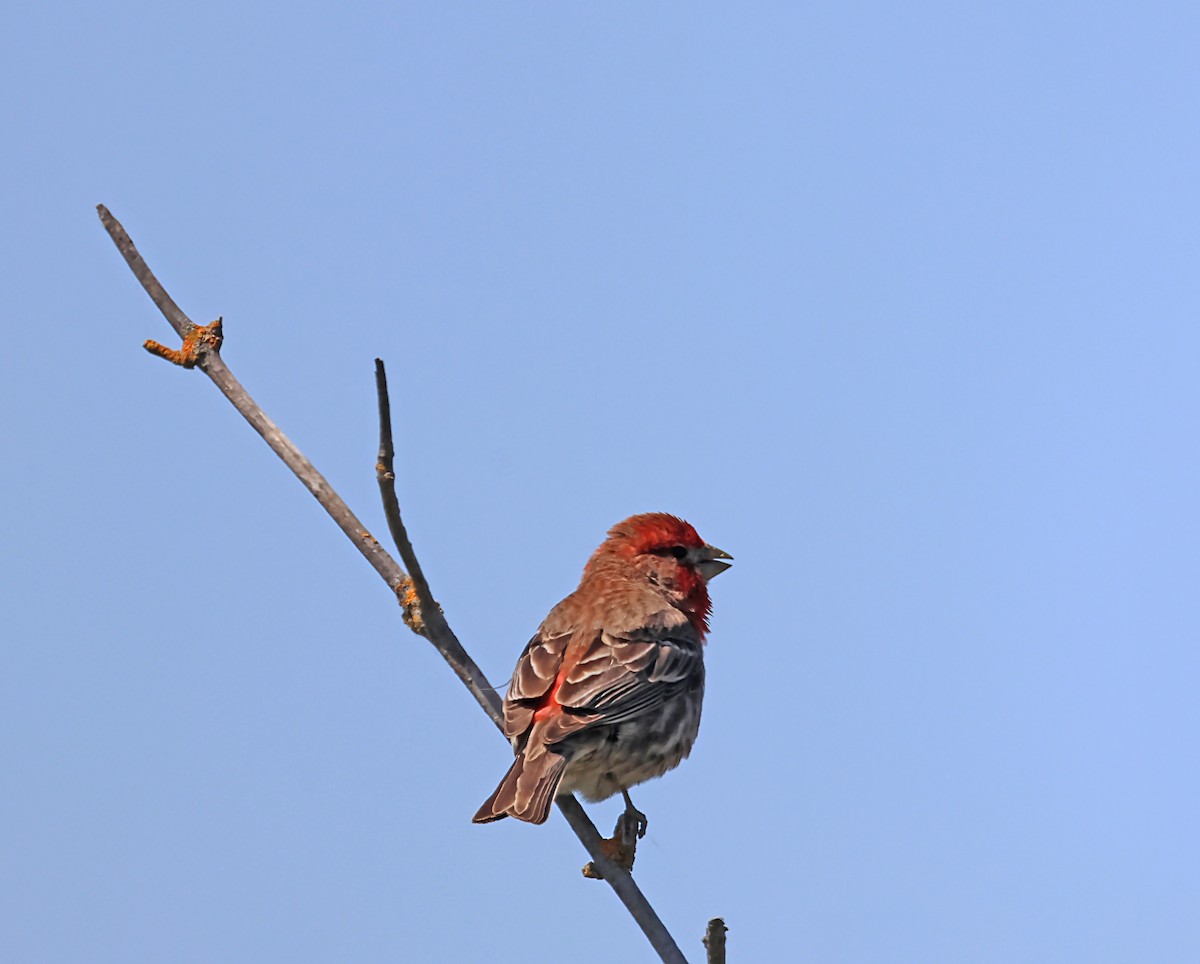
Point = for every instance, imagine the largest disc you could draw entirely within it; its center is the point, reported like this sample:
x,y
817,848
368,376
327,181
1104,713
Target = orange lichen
x,y
620,848
406,592
198,340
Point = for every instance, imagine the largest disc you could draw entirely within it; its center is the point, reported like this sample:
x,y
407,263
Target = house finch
x,y
607,693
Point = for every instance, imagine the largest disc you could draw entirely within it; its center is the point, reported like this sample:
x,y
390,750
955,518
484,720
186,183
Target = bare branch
x,y
423,613
212,366
158,294
714,940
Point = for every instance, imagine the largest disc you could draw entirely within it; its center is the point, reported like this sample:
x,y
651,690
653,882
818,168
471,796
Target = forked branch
x,y
201,349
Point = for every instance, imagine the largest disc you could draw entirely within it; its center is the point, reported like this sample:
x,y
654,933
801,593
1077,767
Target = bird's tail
x,y
527,790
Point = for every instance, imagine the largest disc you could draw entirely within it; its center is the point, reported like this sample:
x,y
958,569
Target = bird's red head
x,y
653,531
668,552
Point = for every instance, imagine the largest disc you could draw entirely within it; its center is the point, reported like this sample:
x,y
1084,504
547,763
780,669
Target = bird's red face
x,y
670,554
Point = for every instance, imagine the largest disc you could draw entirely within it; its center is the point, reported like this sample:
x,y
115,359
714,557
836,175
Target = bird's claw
x,y
632,823
631,826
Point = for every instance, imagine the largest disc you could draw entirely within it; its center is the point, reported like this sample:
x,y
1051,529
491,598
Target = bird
x,y
607,694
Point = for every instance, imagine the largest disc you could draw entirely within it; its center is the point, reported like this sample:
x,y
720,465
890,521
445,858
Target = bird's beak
x,y
710,563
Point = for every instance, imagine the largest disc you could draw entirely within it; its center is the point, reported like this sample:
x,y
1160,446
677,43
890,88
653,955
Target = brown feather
x,y
526,791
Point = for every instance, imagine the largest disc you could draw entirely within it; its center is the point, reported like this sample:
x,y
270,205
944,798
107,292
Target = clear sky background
x,y
897,303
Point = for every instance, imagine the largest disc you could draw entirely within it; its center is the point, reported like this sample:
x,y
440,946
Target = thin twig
x,y
714,940
428,619
435,628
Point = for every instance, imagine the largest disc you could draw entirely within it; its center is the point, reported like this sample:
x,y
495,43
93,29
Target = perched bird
x,y
607,694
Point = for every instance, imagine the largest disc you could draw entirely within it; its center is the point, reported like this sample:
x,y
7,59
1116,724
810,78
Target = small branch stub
x,y
615,851
714,940
198,341
620,848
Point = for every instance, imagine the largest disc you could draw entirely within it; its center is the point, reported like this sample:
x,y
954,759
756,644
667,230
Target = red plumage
x,y
608,692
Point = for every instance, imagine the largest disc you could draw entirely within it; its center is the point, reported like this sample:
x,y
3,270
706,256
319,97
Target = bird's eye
x,y
679,552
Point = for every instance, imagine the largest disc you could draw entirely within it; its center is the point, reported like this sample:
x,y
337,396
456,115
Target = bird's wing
x,y
620,676
574,682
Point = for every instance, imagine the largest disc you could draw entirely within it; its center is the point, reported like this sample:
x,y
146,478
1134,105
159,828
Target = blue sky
x,y
897,303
